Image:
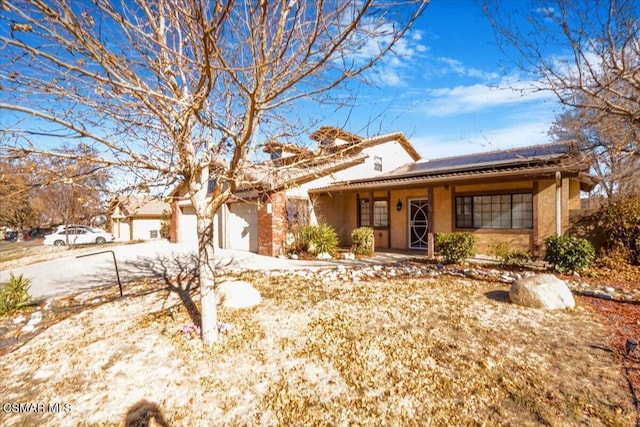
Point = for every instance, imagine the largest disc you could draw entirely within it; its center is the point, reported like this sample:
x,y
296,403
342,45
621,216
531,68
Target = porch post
x,y
558,203
430,211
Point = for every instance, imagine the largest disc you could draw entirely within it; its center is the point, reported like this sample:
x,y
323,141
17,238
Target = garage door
x,y
242,227
188,226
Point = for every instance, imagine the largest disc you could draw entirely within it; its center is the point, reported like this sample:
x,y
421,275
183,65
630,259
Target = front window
x,y
495,211
380,213
364,213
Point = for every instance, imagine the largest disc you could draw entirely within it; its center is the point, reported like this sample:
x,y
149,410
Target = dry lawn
x,y
436,351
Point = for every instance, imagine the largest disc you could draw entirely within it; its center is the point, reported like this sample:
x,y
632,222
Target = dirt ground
x,y
438,351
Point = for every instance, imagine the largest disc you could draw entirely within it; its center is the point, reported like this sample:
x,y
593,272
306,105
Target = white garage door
x,y
188,227
242,227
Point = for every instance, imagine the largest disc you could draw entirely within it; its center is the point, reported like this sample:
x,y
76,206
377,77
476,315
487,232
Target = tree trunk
x,y
206,269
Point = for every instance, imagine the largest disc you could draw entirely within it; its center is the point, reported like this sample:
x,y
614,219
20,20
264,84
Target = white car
x,y
78,236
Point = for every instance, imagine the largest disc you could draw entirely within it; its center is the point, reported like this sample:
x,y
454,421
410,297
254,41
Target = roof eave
x,y
446,178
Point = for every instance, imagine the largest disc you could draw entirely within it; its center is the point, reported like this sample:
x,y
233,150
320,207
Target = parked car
x,y
81,235
11,235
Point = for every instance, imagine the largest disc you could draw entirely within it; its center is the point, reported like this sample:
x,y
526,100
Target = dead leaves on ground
x,y
403,352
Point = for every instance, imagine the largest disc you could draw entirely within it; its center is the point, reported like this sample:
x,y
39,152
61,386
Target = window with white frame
x,y
377,163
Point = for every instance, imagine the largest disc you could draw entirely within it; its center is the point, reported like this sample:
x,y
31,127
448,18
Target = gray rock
x,y
542,291
28,328
324,256
506,278
348,255
238,294
36,318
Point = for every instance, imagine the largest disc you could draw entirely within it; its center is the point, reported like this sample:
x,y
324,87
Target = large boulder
x,y
541,291
238,294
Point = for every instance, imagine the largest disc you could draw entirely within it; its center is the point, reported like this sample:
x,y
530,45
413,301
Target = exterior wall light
x,y
399,205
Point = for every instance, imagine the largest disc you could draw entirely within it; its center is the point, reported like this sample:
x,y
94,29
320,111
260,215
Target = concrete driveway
x,y
158,258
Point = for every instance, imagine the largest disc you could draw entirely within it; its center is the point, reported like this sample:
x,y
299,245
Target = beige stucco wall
x,y
546,209
495,186
442,210
338,210
574,194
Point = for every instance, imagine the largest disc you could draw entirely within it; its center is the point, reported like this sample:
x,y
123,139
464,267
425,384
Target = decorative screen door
x,y
418,223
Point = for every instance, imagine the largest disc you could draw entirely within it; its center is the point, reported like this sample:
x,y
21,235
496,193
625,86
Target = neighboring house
x,y
138,219
521,196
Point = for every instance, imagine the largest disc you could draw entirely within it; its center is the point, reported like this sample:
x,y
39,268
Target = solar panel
x,y
516,156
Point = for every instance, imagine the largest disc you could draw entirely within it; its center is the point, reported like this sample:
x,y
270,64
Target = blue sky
x,y
447,91
450,92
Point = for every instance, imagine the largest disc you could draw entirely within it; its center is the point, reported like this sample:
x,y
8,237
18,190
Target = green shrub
x,y
455,247
567,253
319,238
363,241
509,256
619,222
14,294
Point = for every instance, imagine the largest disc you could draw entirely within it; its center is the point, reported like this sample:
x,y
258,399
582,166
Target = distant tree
x,y
175,90
597,50
16,210
608,142
81,193
32,192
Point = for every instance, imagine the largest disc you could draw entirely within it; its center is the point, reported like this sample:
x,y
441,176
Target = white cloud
x,y
448,145
465,99
547,12
396,65
452,65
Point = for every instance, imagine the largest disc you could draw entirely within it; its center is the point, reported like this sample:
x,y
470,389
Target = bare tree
x,y
80,196
32,193
597,50
175,90
16,210
608,143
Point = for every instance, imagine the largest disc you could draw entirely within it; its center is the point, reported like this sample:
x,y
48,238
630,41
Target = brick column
x,y
272,224
174,225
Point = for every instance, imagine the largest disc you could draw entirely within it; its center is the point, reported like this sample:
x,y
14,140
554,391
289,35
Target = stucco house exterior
x,y
521,196
257,218
133,218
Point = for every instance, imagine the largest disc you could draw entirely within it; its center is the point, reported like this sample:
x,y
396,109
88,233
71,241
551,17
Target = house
x,y
133,218
521,196
258,216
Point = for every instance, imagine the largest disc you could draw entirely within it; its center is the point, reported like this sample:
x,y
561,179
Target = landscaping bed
x,y
439,349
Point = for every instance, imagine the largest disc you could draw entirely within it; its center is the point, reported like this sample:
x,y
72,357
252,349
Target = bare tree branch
x,y
179,90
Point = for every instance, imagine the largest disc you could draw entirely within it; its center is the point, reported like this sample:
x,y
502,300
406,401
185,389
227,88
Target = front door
x,y
418,223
